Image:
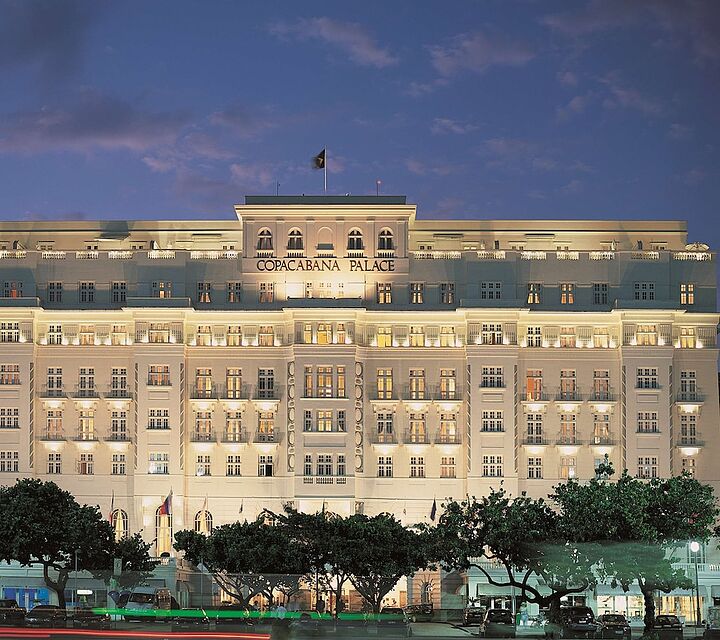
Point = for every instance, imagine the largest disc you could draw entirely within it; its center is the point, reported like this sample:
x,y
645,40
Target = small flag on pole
x,y
433,511
112,507
242,506
166,506
319,160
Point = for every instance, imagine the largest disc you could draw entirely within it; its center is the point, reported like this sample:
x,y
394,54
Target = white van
x,y
147,601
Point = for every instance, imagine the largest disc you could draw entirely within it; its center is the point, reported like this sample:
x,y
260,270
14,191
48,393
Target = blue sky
x,y
177,109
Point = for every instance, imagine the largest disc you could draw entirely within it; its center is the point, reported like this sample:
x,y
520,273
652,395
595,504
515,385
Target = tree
x,y
380,550
42,524
248,558
137,566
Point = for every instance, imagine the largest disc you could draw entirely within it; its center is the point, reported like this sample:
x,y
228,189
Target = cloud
x,y
446,125
46,33
477,52
252,175
518,155
621,95
95,121
694,23
349,37
572,188
245,122
577,104
567,78
693,177
679,131
420,168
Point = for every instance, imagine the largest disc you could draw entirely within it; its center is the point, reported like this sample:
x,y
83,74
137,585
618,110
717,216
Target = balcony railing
x,y
573,395
52,436
204,392
448,438
382,394
568,440
119,393
46,392
535,396
202,436
118,437
264,253
689,441
534,440
241,392
416,437
602,440
383,438
690,396
267,394
86,436
385,253
325,392
266,436
235,436
603,396
86,392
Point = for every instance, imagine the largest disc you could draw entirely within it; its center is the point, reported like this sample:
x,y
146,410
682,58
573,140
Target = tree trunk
x,y
649,599
554,610
58,586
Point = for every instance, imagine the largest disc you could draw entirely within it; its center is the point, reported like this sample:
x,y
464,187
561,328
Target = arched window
x,y
203,522
325,239
119,523
355,240
264,242
295,240
385,240
163,532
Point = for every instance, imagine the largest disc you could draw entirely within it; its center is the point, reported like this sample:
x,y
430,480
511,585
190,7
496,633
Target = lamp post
x,y
201,583
695,549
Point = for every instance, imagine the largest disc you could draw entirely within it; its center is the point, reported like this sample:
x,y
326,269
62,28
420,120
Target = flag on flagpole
x,y
319,160
204,508
242,506
433,511
112,507
166,506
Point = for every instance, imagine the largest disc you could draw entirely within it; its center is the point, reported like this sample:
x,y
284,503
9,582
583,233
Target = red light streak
x,y
50,633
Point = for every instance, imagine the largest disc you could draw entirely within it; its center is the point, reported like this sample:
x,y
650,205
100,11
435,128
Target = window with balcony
x,y
568,428
418,428
647,467
54,424
533,385
386,241
448,433
601,338
385,427
9,332
295,241
266,336
534,428
417,293
118,335
646,335
159,419
568,384
118,425
324,333
447,336
159,332
567,293
417,336
384,337
86,387
534,336
447,467
86,464
644,291
162,289
86,424
203,383
417,384
384,384
355,241
492,421
264,242
233,337
266,426
203,426
687,338
492,466
159,375
266,384
688,386
54,334
383,293
534,468
567,337
233,383
647,422
601,384
492,378
688,429
385,467
448,384
159,463
447,293
687,293
491,333
647,378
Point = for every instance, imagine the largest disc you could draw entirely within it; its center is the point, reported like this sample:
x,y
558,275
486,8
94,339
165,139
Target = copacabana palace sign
x,y
325,264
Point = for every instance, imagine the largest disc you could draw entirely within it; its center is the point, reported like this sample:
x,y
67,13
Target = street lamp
x,y
76,578
695,549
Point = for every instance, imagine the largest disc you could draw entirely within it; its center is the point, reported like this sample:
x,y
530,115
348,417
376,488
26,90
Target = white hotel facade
x,y
338,351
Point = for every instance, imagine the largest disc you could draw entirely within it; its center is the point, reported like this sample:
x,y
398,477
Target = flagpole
x,y
325,168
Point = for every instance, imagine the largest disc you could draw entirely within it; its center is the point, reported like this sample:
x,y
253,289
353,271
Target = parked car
x,y
190,619
45,615
392,621
306,625
613,625
419,612
574,622
668,627
473,615
498,623
148,603
89,619
11,614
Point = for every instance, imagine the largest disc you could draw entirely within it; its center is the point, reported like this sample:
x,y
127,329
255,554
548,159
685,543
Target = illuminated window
x,y
533,385
534,428
383,293
234,290
417,384
687,338
340,333
418,428
163,532
534,294
12,289
159,375
568,384
417,466
118,335
447,467
447,336
162,289
85,464
203,383
568,428
448,385
233,426
448,433
568,467
687,293
384,384
534,469
688,466
601,384
601,337
567,293
324,333
447,293
233,383
646,335
647,422
385,427
567,337
204,336
384,337
647,467
204,290
534,337
204,522
233,338
267,292
417,336
324,382
266,336
417,292
203,427
323,421
159,332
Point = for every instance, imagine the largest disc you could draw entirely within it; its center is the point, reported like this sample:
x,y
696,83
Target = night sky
x,y
505,109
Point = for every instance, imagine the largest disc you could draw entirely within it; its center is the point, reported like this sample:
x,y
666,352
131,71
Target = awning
x,y
634,590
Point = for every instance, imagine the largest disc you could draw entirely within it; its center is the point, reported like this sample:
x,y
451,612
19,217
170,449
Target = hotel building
x,y
337,351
